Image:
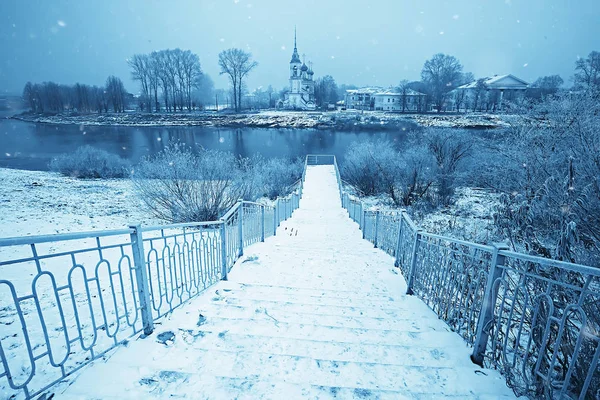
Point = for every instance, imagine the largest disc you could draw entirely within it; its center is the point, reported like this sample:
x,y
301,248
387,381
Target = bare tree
x,y
587,75
543,87
116,93
449,151
236,64
442,73
326,91
270,91
140,71
460,95
403,89
29,97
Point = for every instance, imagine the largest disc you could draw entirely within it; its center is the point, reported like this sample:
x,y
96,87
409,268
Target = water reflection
x,y
32,146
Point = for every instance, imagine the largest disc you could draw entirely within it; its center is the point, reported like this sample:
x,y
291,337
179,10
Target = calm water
x,y
31,146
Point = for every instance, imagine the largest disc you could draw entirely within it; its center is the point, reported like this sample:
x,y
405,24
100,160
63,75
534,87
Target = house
x,y
393,100
361,99
487,94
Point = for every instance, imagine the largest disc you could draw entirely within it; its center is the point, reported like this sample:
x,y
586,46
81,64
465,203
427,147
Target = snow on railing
x,y
67,299
534,319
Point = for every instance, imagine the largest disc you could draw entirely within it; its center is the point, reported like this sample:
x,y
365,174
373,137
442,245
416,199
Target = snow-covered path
x,y
314,312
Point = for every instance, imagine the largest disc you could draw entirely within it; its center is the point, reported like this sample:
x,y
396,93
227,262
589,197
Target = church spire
x,y
295,56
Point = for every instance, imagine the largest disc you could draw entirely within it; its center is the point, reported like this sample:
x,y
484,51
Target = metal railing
x,y
534,319
67,299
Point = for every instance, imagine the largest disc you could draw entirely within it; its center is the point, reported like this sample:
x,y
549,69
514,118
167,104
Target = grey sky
x,y
363,42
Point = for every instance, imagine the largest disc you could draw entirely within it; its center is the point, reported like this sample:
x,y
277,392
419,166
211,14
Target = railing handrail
x,y
582,268
257,204
34,239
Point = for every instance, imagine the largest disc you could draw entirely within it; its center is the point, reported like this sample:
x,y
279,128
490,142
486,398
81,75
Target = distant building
x,y
487,94
301,95
392,100
361,99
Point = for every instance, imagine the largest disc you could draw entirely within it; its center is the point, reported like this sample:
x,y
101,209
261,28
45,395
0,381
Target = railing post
x,y
413,263
360,215
278,212
262,223
241,226
486,314
364,231
141,277
223,250
275,218
376,228
399,240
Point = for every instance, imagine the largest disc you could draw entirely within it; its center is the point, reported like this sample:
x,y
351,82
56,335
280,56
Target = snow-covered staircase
x,y
314,312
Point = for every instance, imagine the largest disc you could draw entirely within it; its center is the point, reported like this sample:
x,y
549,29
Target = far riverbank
x,y
350,120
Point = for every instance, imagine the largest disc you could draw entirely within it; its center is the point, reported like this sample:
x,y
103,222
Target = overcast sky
x,y
377,42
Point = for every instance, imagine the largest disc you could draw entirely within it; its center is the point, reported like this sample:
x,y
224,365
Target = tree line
x,y
172,80
53,97
443,74
168,74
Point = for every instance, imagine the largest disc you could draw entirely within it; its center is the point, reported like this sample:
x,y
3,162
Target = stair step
x,y
304,291
270,312
402,311
365,302
443,356
196,365
269,327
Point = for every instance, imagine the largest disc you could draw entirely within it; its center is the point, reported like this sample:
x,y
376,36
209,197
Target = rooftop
x,y
491,81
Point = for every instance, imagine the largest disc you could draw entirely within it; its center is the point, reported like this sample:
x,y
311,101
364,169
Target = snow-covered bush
x,y
90,162
371,166
178,185
450,149
549,172
424,169
279,176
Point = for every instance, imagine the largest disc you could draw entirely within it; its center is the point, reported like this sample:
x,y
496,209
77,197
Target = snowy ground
x,y
37,203
314,312
339,120
469,218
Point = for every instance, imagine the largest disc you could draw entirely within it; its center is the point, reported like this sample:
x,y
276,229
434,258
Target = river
x,y
31,146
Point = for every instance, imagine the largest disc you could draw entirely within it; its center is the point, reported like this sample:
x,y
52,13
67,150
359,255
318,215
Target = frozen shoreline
x,y
336,120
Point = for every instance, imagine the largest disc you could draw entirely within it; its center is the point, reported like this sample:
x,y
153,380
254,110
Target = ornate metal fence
x,y
534,319
67,299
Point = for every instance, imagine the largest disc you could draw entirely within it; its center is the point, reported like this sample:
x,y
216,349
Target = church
x,y
301,94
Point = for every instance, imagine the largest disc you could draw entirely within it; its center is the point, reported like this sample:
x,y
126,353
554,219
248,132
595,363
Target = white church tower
x,y
301,95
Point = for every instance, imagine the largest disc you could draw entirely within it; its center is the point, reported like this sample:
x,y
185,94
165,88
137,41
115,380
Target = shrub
x,y
180,186
371,166
90,162
279,176
449,150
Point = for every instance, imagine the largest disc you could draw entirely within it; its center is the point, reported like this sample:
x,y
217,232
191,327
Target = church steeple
x,y
295,56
